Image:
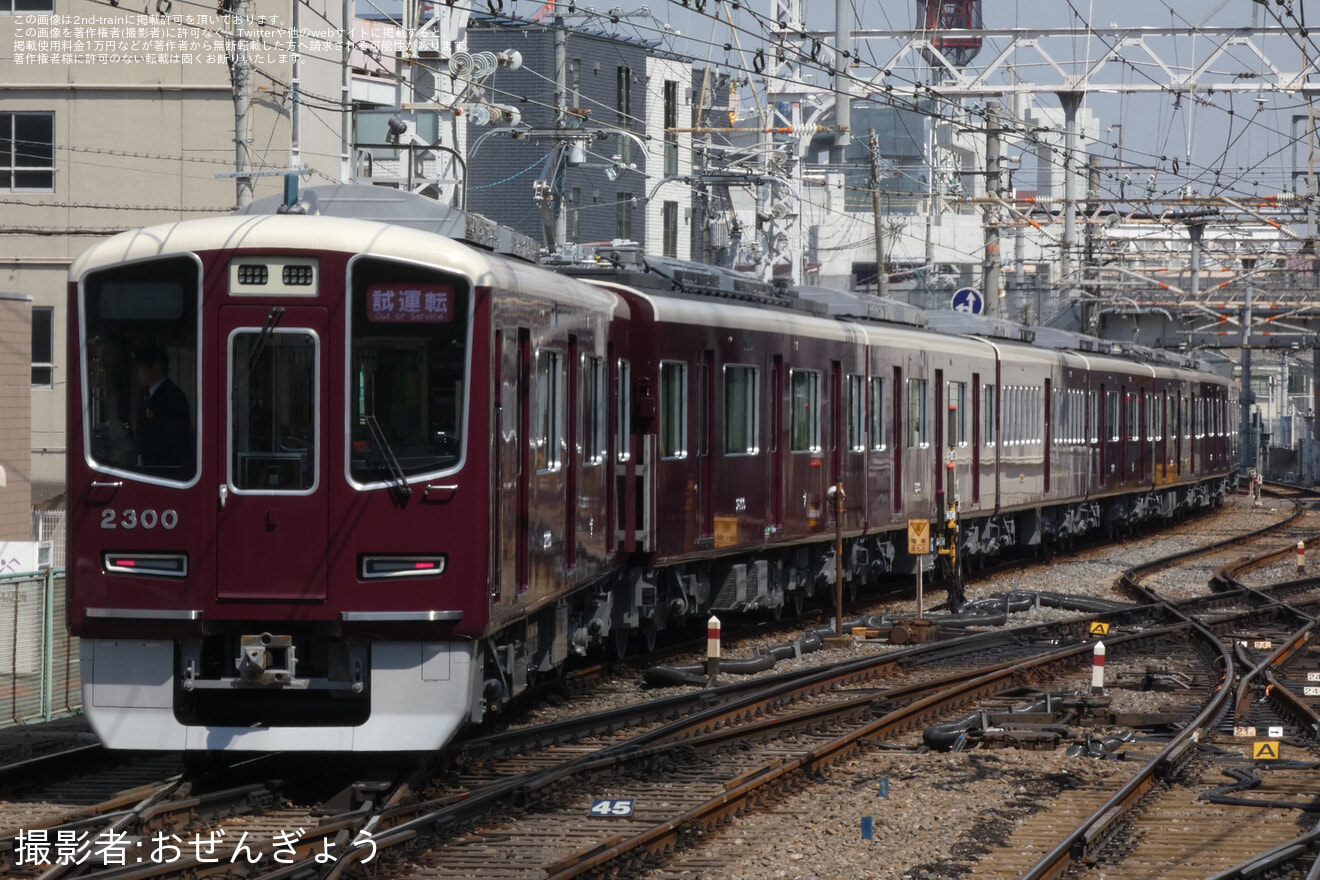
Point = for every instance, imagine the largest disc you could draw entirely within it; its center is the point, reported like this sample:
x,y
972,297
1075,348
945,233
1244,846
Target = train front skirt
x,y
129,692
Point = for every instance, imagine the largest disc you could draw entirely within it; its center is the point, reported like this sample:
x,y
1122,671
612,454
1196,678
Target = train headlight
x,y
152,564
374,567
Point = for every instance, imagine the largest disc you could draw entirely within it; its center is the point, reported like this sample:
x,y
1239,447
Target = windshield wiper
x,y
391,463
272,319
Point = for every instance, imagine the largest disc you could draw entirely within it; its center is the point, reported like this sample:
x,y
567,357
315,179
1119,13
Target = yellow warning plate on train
x,y
918,536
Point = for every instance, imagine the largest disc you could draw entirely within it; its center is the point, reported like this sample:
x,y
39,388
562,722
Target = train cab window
x,y
274,388
595,418
740,410
804,424
673,409
989,419
623,381
856,404
140,369
547,446
956,395
408,373
875,427
918,414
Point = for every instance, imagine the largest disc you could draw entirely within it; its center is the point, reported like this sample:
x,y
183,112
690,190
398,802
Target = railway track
x,y
519,803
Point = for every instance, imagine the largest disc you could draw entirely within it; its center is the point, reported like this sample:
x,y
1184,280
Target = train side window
x,y
595,417
918,415
1133,426
856,408
1093,414
988,420
547,446
740,410
673,409
624,380
804,422
876,424
1037,414
1111,415
956,395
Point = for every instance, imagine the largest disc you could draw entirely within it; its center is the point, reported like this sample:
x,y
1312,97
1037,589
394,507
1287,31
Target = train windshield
x,y
140,375
408,371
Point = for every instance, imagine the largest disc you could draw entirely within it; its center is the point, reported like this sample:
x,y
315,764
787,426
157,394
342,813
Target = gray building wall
x,y
143,119
15,392
502,171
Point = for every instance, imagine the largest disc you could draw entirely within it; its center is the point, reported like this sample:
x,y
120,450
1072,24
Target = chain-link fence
x,y
39,673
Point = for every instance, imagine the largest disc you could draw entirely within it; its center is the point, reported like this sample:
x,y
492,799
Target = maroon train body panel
x,y
347,484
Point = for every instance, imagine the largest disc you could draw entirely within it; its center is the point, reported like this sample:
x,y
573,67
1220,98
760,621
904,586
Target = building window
x,y
671,123
575,83
804,423
673,409
27,151
670,215
575,214
740,410
623,110
26,6
43,346
623,213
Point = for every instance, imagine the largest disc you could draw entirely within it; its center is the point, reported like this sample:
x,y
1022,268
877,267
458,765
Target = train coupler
x,y
266,659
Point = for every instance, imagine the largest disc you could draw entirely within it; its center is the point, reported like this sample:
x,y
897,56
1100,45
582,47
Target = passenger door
x,y
272,524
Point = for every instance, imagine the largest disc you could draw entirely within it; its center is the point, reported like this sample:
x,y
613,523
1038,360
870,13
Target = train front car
x,y
279,478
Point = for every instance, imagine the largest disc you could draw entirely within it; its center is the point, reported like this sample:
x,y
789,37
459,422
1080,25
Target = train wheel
x,y
619,641
650,632
798,601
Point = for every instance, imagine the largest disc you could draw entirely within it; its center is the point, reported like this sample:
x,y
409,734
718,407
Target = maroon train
x,y
413,474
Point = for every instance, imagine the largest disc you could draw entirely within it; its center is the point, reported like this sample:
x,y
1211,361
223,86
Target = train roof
x,y
318,230
850,304
402,208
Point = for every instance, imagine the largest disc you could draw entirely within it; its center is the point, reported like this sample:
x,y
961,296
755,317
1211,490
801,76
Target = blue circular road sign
x,y
968,300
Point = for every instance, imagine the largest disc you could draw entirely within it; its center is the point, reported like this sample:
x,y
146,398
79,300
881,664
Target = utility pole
x,y
877,208
1071,101
345,94
240,74
990,264
295,97
561,109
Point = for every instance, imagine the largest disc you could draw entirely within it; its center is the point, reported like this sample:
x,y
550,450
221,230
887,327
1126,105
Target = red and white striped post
x,y
712,649
1301,555
1098,669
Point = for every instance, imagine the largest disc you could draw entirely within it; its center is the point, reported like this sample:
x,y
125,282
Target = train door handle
x,y
224,495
